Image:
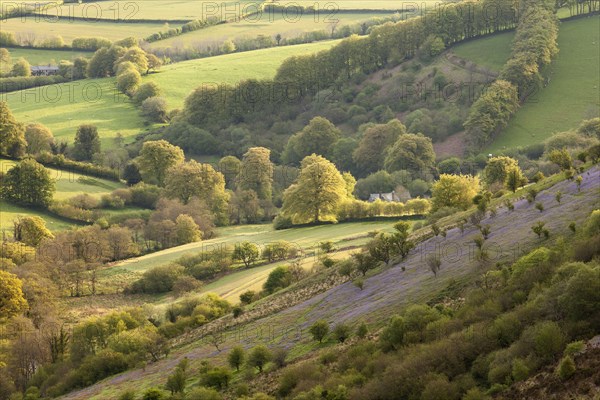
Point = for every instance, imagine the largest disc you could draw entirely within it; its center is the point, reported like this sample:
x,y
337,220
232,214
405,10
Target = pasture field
x,y
63,107
346,237
157,10
268,24
305,239
491,52
228,68
68,184
45,57
366,4
69,29
9,212
571,95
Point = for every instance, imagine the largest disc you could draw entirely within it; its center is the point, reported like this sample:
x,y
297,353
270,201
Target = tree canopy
x,y
317,193
28,183
155,159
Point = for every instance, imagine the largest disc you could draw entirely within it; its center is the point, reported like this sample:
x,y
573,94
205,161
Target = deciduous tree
x,y
155,158
317,194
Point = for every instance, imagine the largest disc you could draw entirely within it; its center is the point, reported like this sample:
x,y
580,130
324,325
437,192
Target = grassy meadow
x,y
44,57
491,52
228,68
571,94
268,24
167,10
68,184
70,29
65,106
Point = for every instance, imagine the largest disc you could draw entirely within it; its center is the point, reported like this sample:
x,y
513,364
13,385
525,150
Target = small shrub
x,y
341,332
539,206
566,368
237,311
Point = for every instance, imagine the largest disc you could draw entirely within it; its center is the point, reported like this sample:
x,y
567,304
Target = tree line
x,y
534,46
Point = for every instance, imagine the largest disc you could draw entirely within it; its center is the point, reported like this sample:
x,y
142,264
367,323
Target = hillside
x,y
65,106
384,293
567,97
68,184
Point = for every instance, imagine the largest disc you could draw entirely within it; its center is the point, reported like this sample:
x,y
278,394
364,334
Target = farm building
x,y
387,197
44,70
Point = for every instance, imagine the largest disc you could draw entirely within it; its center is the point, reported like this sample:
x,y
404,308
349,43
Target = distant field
x,y
267,24
491,52
364,4
43,57
571,94
159,10
71,29
65,106
306,238
178,80
10,212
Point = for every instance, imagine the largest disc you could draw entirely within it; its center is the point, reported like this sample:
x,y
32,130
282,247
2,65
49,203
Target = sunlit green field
x,y
71,29
44,57
163,10
68,184
491,52
269,24
65,106
178,80
571,94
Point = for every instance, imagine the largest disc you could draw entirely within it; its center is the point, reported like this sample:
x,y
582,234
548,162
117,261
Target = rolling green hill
x,y
571,93
65,106
43,57
68,184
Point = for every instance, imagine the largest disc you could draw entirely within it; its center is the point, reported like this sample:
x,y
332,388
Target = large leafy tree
x,y
12,301
87,142
39,138
317,193
12,133
30,230
155,159
28,183
192,179
411,152
369,155
454,191
514,179
317,137
256,172
497,168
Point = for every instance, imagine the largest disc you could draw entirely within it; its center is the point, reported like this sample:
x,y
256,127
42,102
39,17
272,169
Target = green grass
x,y
267,24
64,107
570,97
229,68
71,29
164,10
67,184
10,212
305,238
44,57
491,52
